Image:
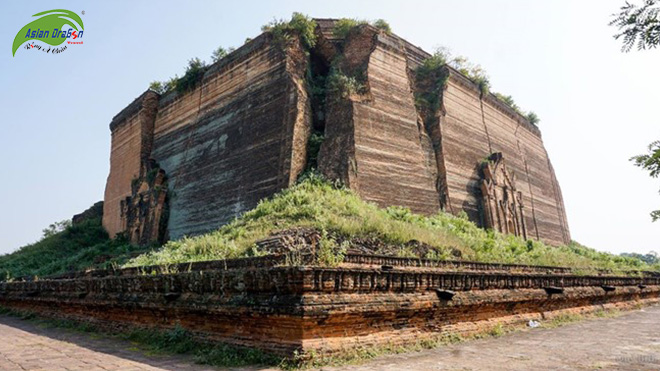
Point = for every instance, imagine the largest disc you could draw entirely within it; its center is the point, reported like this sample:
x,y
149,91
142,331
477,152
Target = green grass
x,y
78,247
316,203
313,202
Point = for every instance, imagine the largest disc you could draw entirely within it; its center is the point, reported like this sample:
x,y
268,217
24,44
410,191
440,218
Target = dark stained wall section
x,y
230,142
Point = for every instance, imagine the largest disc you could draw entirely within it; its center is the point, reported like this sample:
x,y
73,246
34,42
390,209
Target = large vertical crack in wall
x,y
529,187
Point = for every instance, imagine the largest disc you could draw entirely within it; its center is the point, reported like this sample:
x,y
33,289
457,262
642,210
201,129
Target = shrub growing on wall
x,y
193,75
432,81
299,24
344,26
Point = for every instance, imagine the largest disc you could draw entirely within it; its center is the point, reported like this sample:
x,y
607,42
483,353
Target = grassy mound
x,y
313,203
316,203
78,247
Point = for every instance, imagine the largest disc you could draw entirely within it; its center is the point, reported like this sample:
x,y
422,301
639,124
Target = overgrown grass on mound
x,y
78,247
314,202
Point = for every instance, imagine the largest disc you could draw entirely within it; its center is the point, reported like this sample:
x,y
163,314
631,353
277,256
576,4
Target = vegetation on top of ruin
x,y
339,212
282,31
193,75
508,100
299,24
432,79
344,26
56,227
221,52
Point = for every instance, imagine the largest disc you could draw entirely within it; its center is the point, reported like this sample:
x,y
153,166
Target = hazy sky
x,y
597,105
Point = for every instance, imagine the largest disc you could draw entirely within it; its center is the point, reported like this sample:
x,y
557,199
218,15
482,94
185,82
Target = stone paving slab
x,y
26,346
628,342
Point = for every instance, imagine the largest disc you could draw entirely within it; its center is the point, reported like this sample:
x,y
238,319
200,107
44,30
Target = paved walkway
x,y
628,342
25,345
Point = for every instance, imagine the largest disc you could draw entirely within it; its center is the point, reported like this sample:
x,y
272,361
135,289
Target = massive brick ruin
x,y
186,163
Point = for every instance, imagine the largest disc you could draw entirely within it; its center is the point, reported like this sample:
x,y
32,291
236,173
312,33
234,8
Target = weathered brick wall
x,y
473,128
373,140
379,144
396,165
282,309
238,137
132,136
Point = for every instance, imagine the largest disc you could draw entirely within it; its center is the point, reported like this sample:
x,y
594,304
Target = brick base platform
x,y
259,303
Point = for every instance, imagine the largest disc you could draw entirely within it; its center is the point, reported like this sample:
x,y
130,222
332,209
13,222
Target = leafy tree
x,y
650,162
56,228
651,258
638,25
641,25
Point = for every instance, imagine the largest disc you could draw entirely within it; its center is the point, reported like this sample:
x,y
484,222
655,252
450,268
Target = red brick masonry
x,y
255,302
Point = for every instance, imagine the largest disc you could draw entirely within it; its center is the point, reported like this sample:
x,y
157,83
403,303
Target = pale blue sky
x,y
598,106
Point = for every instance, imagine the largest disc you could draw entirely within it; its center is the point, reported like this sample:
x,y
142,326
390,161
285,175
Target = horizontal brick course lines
x,y
281,309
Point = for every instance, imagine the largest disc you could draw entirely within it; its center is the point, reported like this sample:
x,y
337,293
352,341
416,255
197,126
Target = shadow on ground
x,y
26,344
